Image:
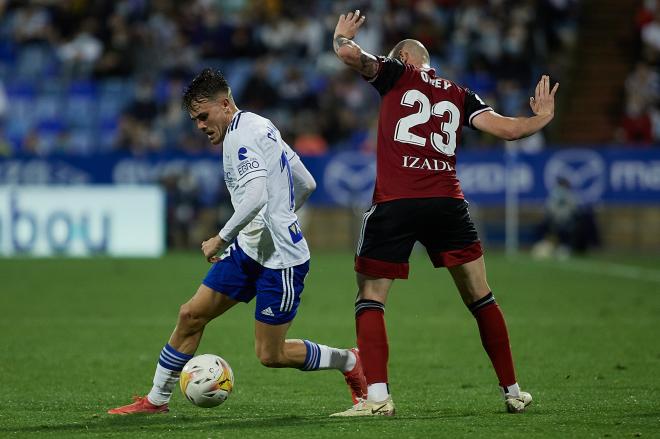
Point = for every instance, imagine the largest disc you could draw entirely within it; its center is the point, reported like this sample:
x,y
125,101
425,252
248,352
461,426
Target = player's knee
x,y
189,319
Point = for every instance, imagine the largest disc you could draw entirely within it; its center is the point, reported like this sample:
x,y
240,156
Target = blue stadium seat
x,y
80,110
114,95
7,57
20,88
109,108
35,62
23,111
81,142
106,135
17,127
50,132
48,107
83,88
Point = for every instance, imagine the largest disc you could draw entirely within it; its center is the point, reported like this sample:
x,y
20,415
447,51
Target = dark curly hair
x,y
205,86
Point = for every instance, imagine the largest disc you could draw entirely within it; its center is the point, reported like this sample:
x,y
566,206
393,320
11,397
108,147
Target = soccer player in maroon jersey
x,y
418,198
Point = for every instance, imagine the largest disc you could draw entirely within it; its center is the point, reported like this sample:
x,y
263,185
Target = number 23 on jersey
x,y
444,142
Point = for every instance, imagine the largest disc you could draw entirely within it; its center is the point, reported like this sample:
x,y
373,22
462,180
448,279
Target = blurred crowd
x,y
82,77
640,123
87,77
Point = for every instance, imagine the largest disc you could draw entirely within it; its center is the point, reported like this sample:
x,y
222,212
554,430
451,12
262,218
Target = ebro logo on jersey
x,y
248,164
241,153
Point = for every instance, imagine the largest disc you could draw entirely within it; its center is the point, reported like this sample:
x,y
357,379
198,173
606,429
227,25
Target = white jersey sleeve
x,y
254,199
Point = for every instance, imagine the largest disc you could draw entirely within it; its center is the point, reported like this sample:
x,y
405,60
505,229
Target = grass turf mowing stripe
x,y
604,268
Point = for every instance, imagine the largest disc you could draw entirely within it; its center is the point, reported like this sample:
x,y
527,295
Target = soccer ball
x,y
207,380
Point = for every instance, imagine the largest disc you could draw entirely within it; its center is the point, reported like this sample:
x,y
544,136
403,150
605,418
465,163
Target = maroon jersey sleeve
x,y
473,105
389,72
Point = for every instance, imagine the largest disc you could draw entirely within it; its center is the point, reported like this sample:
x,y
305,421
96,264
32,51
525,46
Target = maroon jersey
x,y
419,127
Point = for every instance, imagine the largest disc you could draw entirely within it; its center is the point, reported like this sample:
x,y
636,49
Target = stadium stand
x,y
77,74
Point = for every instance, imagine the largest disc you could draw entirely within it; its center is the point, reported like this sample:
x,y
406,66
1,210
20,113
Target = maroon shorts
x,y
390,230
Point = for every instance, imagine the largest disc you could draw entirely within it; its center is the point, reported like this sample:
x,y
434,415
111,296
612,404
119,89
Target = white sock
x,y
377,392
164,382
333,358
513,390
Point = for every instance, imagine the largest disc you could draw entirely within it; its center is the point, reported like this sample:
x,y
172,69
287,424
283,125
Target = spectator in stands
x,y
308,139
486,43
136,127
294,91
636,126
642,92
31,24
116,59
80,53
557,18
643,83
171,124
31,28
651,34
464,35
258,93
186,56
144,107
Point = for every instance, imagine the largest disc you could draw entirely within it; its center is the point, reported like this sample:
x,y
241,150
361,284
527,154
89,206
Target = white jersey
x,y
252,148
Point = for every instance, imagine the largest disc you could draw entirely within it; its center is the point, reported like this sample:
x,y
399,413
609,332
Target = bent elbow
x,y
311,186
510,137
512,133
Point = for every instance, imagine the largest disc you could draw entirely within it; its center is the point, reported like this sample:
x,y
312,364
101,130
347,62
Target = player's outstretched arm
x,y
303,183
350,52
512,128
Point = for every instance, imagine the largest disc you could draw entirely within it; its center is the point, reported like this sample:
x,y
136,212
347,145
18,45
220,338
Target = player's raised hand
x,y
543,101
348,24
211,247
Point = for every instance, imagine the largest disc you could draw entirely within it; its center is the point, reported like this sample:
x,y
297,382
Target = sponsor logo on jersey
x,y
296,232
230,181
244,167
241,153
427,164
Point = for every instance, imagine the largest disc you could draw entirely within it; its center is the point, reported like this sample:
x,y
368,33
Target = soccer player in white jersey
x,y
265,254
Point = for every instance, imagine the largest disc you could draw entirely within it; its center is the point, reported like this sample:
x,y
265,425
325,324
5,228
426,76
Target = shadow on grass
x,y
188,423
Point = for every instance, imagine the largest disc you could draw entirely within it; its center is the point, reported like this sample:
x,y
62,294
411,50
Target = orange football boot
x,y
141,404
355,379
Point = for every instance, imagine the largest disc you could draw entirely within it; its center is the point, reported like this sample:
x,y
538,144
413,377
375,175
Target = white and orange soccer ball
x,y
207,380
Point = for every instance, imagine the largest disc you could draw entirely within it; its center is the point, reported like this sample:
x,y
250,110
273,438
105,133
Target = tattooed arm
x,y
347,50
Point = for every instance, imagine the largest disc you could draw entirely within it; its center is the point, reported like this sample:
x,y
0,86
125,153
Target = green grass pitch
x,y
80,336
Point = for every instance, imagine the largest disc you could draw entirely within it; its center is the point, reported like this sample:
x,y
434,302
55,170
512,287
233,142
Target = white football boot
x,y
369,408
517,404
